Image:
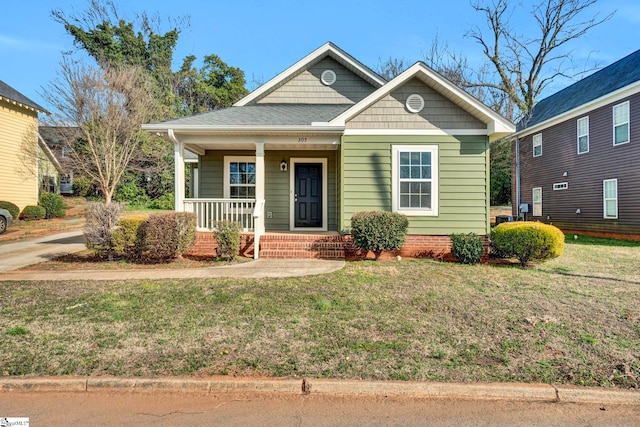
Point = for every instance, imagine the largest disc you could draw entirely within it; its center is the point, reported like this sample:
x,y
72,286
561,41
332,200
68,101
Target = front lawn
x,y
572,320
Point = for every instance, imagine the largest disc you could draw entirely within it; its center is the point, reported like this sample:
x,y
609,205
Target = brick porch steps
x,y
301,246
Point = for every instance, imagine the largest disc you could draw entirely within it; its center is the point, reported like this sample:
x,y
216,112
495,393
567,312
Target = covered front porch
x,y
279,183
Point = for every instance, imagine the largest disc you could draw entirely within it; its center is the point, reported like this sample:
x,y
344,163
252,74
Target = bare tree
x,y
391,67
525,65
107,107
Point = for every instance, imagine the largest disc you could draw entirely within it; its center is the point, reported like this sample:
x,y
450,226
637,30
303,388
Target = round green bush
x,y
53,204
467,248
13,209
33,212
528,240
378,231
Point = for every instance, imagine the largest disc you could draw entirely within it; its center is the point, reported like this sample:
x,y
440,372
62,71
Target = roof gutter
x,y
194,129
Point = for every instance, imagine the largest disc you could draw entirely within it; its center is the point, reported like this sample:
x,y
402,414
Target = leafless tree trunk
x,y
107,106
525,65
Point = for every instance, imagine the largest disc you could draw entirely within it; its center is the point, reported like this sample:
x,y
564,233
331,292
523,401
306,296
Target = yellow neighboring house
x,y
27,166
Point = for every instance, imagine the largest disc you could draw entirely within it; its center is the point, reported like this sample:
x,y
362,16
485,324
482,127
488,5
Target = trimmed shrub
x,y
167,236
166,202
13,209
53,204
528,240
467,248
30,213
378,231
125,239
101,220
227,236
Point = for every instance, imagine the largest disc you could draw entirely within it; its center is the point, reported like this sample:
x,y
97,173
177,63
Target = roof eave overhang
x,y
246,130
25,106
609,98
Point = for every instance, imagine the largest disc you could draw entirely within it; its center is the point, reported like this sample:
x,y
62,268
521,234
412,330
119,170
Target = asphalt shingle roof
x,y
609,79
8,92
266,114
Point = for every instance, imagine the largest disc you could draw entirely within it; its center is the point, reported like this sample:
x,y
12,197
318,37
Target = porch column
x,y
178,171
260,173
258,212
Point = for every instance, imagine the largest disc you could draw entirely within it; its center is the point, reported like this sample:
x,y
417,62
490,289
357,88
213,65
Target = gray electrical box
x,y
524,208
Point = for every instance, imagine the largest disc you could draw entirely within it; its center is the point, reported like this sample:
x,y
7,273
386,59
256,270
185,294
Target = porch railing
x,y
211,211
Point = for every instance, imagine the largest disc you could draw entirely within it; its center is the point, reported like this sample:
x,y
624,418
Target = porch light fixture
x,y
283,165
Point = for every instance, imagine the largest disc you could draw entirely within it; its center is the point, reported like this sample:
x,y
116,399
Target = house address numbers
x,y
302,139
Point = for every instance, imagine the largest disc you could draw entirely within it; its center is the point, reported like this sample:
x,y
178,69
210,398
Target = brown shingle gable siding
x,y
438,113
307,88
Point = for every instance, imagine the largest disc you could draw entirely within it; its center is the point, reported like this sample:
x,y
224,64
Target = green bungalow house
x,y
327,138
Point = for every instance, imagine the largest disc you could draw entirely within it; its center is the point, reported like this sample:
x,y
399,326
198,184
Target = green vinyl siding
x,y
276,182
463,167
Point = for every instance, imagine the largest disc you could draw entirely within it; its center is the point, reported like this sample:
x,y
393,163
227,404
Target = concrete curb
x,y
471,391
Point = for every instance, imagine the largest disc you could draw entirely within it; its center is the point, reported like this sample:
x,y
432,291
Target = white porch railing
x,y
211,211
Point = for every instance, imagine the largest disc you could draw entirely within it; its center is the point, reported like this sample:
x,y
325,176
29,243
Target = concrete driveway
x,y
14,255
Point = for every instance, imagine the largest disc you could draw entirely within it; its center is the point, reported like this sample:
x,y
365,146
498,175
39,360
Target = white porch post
x,y
179,171
259,219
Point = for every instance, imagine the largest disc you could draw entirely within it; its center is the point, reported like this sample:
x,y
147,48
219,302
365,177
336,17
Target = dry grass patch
x,y
570,320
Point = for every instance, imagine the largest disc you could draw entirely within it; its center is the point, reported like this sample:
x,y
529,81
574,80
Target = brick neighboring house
x,y
576,159
27,166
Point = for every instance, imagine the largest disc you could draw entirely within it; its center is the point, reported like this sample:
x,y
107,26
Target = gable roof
x,y
11,95
497,126
607,81
326,50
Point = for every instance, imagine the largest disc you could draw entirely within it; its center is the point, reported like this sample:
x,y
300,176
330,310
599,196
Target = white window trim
x,y
533,150
561,186
628,123
586,118
604,198
227,161
533,201
292,189
395,180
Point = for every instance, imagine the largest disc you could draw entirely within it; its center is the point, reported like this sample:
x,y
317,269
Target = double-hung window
x,y
239,177
610,198
583,135
537,201
621,123
537,145
415,179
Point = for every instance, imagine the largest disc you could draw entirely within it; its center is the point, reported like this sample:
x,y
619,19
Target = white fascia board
x,y
47,152
609,98
496,120
322,50
428,132
191,129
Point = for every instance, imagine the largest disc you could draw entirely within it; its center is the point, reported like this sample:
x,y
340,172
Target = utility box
x,y
524,208
503,218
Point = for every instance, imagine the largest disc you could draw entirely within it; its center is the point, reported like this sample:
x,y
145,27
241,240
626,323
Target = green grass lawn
x,y
572,320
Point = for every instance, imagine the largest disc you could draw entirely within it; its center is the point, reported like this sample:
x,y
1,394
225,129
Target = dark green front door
x,y
308,195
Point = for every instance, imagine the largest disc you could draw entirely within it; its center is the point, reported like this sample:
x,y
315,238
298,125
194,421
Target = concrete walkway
x,y
32,251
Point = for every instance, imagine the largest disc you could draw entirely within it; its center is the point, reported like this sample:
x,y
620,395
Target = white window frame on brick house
x,y
621,122
228,160
410,176
537,143
536,201
610,198
582,126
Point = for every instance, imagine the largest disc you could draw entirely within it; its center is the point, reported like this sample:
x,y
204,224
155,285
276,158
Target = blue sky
x,y
265,37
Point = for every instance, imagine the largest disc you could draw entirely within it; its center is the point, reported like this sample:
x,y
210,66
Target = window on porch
x,y
240,177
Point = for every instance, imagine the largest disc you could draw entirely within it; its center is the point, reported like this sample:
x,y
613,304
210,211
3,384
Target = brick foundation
x,y
287,245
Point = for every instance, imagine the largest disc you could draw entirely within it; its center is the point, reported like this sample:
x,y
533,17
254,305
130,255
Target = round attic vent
x,y
328,77
415,103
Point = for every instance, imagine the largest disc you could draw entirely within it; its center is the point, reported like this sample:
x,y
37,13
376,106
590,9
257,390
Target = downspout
x,y
178,171
518,177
